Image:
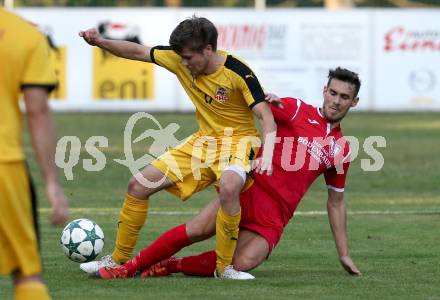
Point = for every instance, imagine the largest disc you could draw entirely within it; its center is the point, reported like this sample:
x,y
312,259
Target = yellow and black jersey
x,y
24,61
222,99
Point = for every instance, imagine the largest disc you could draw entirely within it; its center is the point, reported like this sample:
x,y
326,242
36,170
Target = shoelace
x,y
107,260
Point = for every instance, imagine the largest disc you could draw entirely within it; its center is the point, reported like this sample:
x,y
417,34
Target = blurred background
x,y
290,44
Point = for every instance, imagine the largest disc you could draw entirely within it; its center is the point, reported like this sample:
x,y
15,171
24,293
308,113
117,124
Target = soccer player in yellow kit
x,y
226,94
25,67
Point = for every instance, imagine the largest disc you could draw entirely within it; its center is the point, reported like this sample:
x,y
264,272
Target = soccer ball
x,y
82,240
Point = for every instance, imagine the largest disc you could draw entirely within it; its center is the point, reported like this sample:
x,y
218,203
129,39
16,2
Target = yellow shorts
x,y
200,160
18,240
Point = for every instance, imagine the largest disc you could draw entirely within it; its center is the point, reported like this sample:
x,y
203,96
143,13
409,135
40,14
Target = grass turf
x,y
394,215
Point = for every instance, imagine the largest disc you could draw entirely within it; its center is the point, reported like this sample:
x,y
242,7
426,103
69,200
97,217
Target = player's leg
x,y
252,249
199,228
135,209
202,226
30,287
261,228
132,216
228,216
202,265
19,255
178,166
171,171
234,178
259,232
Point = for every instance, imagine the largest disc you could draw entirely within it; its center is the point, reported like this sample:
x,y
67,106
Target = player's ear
x,y
208,50
324,90
354,102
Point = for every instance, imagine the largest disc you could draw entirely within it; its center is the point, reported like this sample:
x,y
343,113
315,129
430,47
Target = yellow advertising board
x,y
58,57
118,78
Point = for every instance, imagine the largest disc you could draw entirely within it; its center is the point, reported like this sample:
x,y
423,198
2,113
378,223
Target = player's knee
x,y
136,189
132,185
244,263
228,191
195,234
198,231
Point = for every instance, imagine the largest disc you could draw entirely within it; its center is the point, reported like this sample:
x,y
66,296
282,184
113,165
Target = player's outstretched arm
x,y
338,221
43,140
269,127
123,49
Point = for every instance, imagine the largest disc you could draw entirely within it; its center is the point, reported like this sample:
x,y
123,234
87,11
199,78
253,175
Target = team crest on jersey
x,y
221,95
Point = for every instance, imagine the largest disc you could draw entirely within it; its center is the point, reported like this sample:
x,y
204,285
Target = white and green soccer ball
x,y
82,240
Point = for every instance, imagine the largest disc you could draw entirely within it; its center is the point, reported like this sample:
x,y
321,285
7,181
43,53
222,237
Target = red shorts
x,y
261,213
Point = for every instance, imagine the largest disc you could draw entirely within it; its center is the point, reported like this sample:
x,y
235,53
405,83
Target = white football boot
x,y
93,266
230,273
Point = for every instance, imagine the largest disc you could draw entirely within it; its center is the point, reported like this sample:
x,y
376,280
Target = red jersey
x,y
307,148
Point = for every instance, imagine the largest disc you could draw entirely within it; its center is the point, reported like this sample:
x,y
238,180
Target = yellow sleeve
x,y
39,68
165,56
252,91
246,81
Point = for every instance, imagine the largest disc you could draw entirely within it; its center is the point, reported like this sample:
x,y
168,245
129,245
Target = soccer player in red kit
x,y
309,143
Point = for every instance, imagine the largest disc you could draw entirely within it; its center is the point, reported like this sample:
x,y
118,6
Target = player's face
x,y
196,62
338,99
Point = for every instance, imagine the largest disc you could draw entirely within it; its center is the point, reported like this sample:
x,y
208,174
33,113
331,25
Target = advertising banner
x,y
291,51
407,60
396,53
92,79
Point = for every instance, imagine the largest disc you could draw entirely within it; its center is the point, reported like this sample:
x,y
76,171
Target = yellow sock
x,y
226,229
34,290
131,219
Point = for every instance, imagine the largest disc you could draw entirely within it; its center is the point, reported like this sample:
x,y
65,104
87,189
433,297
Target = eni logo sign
x,y
116,78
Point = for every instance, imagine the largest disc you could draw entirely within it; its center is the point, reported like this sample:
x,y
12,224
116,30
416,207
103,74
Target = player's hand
x,y
262,166
349,266
273,99
60,205
91,36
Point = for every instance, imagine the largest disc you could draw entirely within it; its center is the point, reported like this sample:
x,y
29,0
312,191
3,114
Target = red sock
x,y
174,264
165,246
200,265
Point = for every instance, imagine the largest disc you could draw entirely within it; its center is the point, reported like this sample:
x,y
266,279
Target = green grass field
x,y
394,220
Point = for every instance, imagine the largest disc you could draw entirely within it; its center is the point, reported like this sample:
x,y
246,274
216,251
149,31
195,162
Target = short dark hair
x,y
346,76
194,33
